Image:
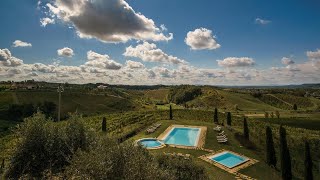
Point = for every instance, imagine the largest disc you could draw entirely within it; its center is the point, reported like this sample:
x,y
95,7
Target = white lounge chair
x,y
222,140
218,128
221,133
222,136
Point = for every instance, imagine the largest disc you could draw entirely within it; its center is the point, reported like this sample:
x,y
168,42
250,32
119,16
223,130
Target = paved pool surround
x,y
200,141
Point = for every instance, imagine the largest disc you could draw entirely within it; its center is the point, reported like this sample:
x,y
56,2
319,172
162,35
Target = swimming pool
x,y
183,136
228,159
150,143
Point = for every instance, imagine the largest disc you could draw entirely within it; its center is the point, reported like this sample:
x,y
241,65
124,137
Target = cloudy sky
x,y
231,42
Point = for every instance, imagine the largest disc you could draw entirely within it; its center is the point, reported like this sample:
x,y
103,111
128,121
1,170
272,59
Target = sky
x,y
143,42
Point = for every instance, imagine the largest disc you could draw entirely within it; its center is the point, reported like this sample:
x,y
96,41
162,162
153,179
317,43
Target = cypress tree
x,y
104,124
295,107
271,158
285,156
215,116
308,163
229,118
170,114
245,128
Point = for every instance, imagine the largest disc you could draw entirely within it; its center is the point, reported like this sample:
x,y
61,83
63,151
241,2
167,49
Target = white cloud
x,y
163,27
201,39
107,21
67,52
149,52
236,62
287,61
262,21
6,59
314,55
134,64
45,21
102,61
18,43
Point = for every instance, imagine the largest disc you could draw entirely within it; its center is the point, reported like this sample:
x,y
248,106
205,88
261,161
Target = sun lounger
x,y
222,136
221,133
223,141
218,128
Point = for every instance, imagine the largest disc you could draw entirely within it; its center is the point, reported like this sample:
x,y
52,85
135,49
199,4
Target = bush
x,y
110,160
43,145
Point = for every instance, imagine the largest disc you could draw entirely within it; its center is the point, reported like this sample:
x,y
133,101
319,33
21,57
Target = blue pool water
x,y
150,143
229,159
183,136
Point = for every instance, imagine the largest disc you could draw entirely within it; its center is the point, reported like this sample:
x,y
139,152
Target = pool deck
x,y
201,141
233,170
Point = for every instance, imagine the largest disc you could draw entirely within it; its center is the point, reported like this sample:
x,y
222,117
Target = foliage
x,y
110,160
277,114
104,124
215,116
170,113
245,128
271,158
183,94
308,163
43,145
181,168
295,107
285,156
229,118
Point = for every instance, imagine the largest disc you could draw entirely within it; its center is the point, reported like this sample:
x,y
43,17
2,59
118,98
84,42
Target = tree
x,y
295,107
272,115
308,163
215,116
271,158
229,118
285,156
245,128
277,114
170,113
104,124
266,115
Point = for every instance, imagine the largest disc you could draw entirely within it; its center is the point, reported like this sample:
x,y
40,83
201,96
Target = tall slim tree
x,y
295,107
104,124
285,156
307,163
170,113
229,118
215,116
271,158
245,128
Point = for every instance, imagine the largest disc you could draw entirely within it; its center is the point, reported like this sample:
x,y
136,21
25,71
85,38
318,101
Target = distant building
x,y
102,87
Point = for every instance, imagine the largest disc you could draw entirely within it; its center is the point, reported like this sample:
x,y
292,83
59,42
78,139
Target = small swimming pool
x,y
228,159
150,143
183,136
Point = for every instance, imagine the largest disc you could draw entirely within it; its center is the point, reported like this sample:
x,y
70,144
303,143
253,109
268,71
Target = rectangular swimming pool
x,y
183,136
228,159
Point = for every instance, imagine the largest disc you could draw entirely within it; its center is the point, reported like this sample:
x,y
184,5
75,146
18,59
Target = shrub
x,y
271,159
308,163
229,118
42,145
215,116
285,156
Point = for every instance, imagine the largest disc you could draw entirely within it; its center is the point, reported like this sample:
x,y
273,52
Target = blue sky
x,y
249,37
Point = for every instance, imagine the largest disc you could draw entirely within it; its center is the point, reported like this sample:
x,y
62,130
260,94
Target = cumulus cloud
x,y
236,62
45,21
107,21
67,52
18,43
314,55
287,61
6,59
134,64
149,52
262,21
102,61
201,39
